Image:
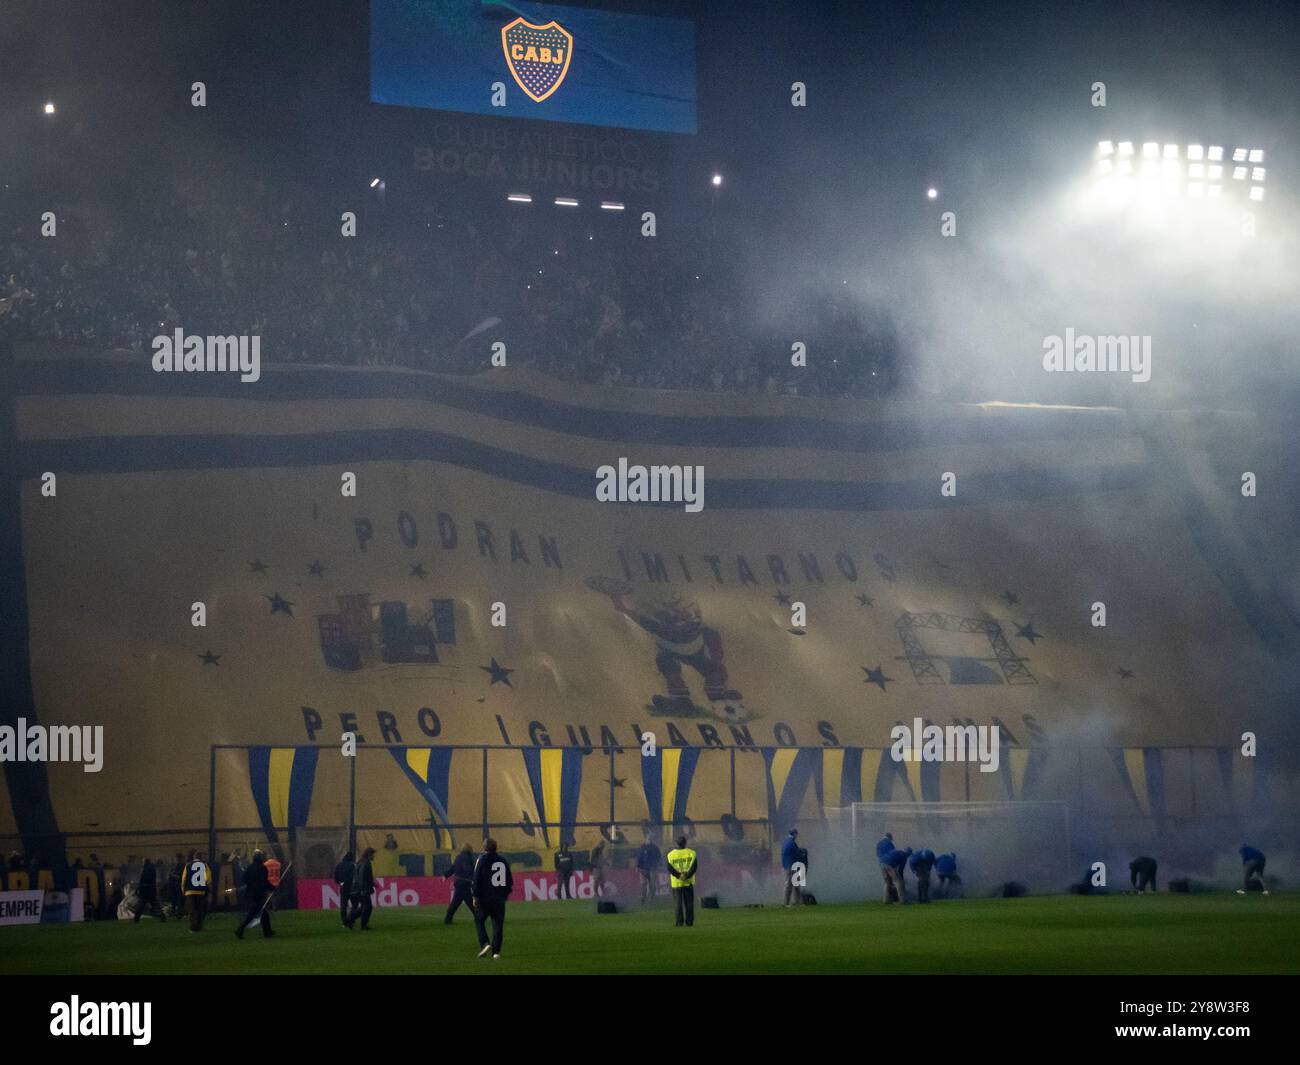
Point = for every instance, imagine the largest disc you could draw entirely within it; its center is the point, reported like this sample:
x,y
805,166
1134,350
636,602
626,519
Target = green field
x,y
1062,934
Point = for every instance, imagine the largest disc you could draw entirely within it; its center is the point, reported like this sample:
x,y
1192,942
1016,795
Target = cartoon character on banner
x,y
681,639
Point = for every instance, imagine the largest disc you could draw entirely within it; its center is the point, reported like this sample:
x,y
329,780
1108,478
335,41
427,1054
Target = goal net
x,y
994,842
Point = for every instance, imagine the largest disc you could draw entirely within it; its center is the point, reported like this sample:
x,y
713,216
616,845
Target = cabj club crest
x,y
538,56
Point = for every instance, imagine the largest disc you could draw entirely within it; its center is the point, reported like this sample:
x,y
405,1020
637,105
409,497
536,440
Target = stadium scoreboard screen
x,y
563,64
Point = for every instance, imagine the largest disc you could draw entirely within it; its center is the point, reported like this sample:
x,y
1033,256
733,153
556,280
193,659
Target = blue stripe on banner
x,y
259,773
1121,768
802,770
302,780
851,777
78,377
434,791
139,454
533,764
570,790
685,775
889,769
652,781
931,781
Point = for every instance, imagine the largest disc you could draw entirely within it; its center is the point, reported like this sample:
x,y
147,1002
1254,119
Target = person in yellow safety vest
x,y
682,865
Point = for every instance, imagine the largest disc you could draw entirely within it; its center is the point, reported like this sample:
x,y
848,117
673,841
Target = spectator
x,y
794,860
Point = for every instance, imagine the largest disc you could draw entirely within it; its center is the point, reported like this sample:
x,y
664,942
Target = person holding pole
x,y
257,897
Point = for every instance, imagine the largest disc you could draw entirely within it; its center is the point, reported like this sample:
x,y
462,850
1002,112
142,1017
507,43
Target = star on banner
x,y
1027,632
278,605
257,566
209,659
498,673
876,676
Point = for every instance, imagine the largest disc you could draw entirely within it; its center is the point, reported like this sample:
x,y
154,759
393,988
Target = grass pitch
x,y
1057,934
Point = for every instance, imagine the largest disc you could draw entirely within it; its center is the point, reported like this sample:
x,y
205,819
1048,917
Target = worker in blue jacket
x,y
792,856
1252,864
946,867
897,865
883,850
921,864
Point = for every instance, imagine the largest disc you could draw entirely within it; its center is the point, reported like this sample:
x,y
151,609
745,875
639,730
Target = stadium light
x,y
1106,147
1171,151
1257,174
1257,192
1238,173
1215,190
1125,168
1216,153
565,201
519,197
1150,150
1196,151
717,180
1215,173
1125,148
932,193
49,107
1238,155
374,183
1196,170
609,205
1257,155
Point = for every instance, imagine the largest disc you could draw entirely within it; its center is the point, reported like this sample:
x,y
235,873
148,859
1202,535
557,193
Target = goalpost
x,y
994,841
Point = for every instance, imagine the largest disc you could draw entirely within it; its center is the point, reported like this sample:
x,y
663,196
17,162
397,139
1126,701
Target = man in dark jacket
x,y
344,873
363,884
147,892
174,894
257,890
1142,873
461,875
648,860
921,864
493,883
1252,865
564,870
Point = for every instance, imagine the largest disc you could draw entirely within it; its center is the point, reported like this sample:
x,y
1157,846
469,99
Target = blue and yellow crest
x,y
538,56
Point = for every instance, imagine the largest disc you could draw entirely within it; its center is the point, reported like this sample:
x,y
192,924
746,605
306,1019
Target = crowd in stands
x,y
587,301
